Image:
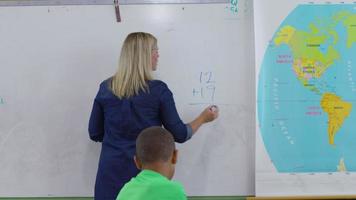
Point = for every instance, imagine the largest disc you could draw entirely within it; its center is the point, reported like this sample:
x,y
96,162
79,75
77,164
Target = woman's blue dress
x,y
117,122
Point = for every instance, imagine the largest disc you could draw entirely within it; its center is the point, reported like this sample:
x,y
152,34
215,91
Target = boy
x,y
156,156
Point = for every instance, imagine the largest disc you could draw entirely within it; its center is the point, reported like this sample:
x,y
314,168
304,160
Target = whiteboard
x,y
101,2
54,57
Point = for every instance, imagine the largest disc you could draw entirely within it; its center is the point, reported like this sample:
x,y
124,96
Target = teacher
x,y
128,102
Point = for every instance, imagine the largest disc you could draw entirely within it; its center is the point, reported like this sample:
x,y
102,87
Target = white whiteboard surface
x,y
101,2
53,58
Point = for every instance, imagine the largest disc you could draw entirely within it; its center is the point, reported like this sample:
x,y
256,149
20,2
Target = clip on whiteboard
x,y
117,10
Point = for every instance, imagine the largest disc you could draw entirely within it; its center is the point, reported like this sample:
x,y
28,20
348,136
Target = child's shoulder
x,y
169,187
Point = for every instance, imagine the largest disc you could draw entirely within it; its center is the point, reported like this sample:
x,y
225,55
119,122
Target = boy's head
x,y
155,149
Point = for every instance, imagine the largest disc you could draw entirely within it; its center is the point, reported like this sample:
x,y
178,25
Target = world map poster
x,y
306,97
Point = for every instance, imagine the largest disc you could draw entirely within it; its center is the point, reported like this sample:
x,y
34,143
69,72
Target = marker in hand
x,y
209,114
213,108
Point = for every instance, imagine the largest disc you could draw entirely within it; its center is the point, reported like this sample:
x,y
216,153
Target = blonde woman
x,y
127,103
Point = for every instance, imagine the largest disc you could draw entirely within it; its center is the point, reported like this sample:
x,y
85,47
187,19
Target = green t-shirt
x,y
150,185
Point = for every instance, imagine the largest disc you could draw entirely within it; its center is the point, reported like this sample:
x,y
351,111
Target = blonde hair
x,y
135,65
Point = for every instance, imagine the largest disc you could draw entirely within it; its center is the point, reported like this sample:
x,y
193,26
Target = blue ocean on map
x,y
293,125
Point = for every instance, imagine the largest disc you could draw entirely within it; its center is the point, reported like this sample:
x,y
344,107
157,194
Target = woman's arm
x,y
170,118
209,114
96,123
172,122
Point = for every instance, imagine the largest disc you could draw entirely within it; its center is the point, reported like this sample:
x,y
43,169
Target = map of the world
x,y
307,91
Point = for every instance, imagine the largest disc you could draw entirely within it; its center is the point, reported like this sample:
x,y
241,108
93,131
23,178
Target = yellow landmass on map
x,y
335,36
350,24
349,21
284,35
337,110
341,167
309,60
308,68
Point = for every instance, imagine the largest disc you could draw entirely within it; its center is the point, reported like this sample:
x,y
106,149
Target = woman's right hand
x,y
210,113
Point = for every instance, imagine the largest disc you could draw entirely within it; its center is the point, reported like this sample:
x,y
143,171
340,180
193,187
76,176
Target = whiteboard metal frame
x,y
102,2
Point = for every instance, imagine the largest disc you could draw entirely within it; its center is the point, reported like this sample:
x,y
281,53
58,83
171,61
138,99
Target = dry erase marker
x,y
213,108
